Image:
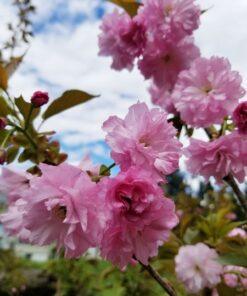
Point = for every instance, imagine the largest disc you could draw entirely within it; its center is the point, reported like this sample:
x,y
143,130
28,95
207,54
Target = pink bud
x,y
3,156
3,123
231,280
39,99
240,117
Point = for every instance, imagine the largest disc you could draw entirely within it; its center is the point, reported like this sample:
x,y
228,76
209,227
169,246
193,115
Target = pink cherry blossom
x,y
139,217
231,280
197,267
238,232
62,207
122,38
143,138
169,19
227,154
163,64
87,166
235,276
161,97
13,220
207,92
240,117
13,184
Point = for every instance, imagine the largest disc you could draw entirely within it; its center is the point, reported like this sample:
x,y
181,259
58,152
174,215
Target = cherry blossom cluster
x,y
200,91
127,217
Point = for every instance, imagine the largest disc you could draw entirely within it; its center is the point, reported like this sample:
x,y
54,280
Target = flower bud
x,y
39,99
3,123
3,156
240,117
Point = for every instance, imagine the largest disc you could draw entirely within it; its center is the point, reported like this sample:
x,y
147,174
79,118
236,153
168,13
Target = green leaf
x,y
68,100
4,107
3,78
24,108
25,155
130,6
233,259
12,153
13,65
3,135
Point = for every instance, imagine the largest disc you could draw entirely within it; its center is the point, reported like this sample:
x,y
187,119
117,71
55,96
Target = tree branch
x,y
164,283
238,193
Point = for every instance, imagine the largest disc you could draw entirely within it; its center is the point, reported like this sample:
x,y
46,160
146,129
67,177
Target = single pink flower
x,y
227,154
167,20
238,232
240,117
235,276
207,92
122,38
62,207
143,138
231,280
140,217
163,64
161,97
197,267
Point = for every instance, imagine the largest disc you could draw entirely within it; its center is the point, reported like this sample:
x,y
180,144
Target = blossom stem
x,y
26,134
106,170
239,194
164,283
29,116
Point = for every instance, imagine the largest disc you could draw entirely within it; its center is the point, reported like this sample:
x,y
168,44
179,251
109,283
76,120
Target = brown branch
x,y
238,193
164,283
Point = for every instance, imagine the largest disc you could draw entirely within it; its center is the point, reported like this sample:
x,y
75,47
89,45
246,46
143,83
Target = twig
x,y
106,170
238,193
164,283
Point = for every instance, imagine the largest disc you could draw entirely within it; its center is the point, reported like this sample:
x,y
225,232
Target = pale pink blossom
x,y
218,158
197,267
122,38
62,207
167,20
143,138
164,63
240,117
140,217
207,92
13,220
161,97
231,280
13,184
238,232
235,276
89,167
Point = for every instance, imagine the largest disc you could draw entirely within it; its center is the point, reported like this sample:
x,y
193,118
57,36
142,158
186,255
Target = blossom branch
x,y
238,193
164,283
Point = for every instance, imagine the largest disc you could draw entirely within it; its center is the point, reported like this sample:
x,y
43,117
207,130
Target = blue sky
x,y
64,55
